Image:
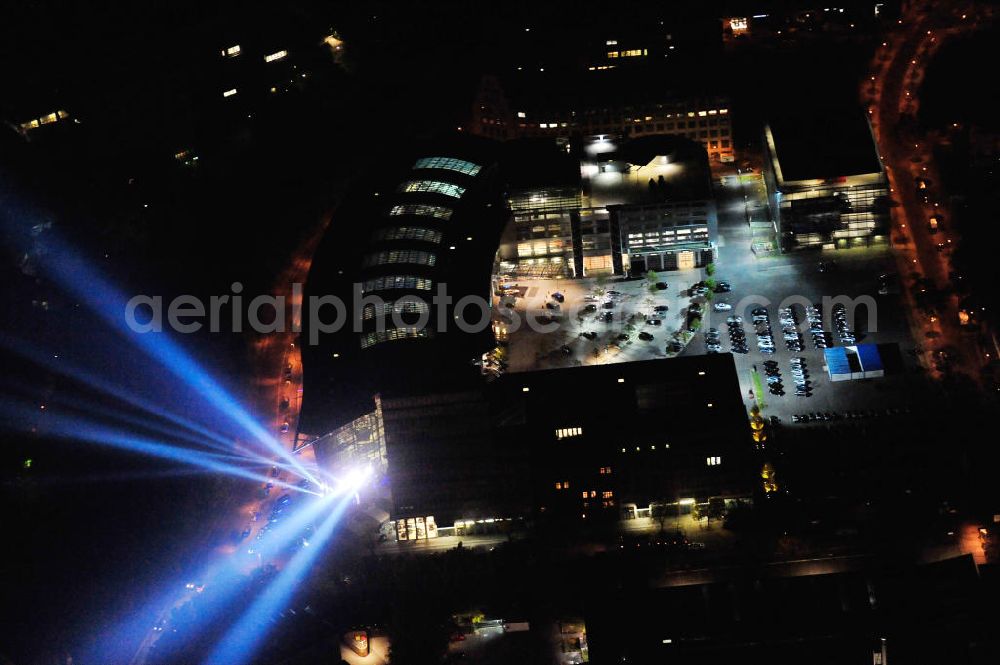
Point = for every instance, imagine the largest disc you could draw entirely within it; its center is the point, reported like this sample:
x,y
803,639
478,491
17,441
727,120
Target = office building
x,y
636,205
825,181
566,105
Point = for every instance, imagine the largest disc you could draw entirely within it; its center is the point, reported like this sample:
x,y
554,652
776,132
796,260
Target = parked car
x,y
722,307
661,285
645,336
558,297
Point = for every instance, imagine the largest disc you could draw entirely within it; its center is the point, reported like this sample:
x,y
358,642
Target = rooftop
x,y
823,144
619,173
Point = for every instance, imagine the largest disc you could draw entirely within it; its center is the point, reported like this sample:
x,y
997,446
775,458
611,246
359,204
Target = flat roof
x,y
823,144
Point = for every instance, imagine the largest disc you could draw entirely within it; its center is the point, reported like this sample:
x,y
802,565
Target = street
x,y
892,95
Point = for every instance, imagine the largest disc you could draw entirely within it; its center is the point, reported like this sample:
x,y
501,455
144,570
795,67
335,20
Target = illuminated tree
x,y
769,476
661,512
651,278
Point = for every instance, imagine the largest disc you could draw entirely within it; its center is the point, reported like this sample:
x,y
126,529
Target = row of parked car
x,y
844,331
820,337
762,326
849,415
773,375
803,387
790,329
737,336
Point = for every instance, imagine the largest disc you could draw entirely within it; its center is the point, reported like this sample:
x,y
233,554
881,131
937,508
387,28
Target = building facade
x,y
668,236
499,115
580,444
645,204
827,188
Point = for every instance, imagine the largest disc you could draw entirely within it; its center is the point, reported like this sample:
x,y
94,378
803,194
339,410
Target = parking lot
x,y
807,278
757,282
627,301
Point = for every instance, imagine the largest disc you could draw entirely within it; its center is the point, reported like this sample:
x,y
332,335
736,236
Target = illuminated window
x,y
605,470
278,55
607,494
521,114
229,93
400,256
408,233
593,494
612,54
565,484
434,186
386,309
713,461
559,486
387,282
449,163
48,118
231,52
423,210
567,432
584,494
393,334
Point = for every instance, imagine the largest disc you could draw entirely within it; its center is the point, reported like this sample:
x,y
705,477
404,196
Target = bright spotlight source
x,y
347,483
357,477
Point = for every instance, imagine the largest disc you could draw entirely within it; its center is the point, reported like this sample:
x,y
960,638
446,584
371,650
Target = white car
x,y
722,307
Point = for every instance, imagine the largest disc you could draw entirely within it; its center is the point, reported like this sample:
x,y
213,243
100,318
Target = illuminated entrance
x,y
685,260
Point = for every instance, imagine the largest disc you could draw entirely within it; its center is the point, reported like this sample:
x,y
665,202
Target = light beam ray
x,y
67,369
242,639
73,275
73,428
225,578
